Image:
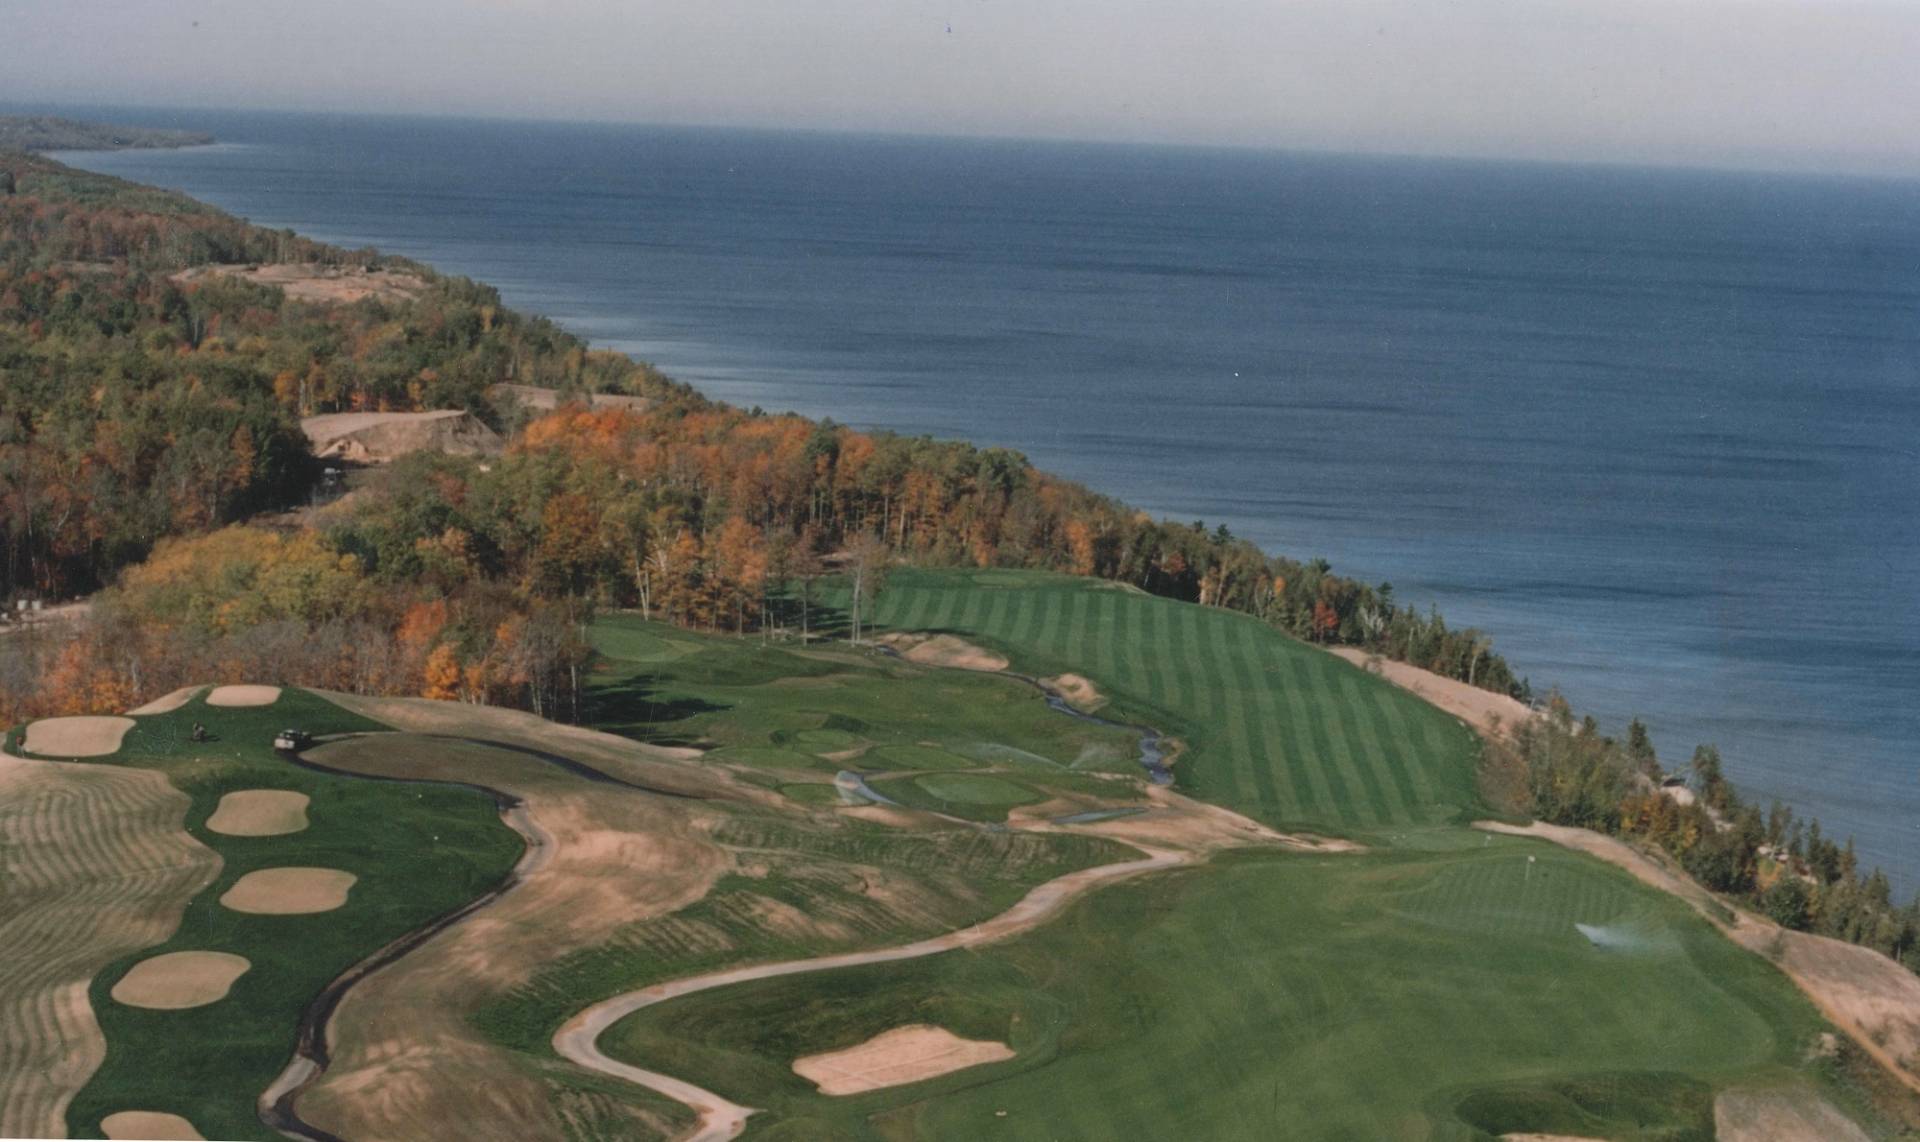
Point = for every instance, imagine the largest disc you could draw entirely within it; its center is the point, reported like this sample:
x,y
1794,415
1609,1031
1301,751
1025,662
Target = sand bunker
x,y
243,696
150,1124
289,891
902,1055
1783,1115
76,737
259,813
942,650
1079,691
179,980
165,705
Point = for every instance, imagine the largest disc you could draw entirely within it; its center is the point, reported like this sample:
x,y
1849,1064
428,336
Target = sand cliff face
x,y
377,437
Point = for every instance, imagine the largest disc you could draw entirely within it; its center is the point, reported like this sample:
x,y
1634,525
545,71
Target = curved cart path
x,y
578,1040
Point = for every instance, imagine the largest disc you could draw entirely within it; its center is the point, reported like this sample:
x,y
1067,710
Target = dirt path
x,y
578,1040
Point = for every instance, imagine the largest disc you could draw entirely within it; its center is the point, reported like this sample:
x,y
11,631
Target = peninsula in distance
x,y
434,709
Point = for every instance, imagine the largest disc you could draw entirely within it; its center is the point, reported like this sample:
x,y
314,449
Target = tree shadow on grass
x,y
635,708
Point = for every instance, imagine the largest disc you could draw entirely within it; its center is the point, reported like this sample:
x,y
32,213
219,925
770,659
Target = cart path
x,y
719,1119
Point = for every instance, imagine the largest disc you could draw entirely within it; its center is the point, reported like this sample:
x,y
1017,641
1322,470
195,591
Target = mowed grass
x,y
1388,995
784,707
420,850
1275,729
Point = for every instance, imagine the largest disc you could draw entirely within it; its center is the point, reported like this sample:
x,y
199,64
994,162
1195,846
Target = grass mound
x,y
1638,1105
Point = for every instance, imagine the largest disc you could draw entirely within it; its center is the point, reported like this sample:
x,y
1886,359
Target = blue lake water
x,y
1655,430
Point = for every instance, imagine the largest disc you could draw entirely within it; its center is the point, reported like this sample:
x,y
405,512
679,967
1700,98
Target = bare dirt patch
x,y
546,400
892,1058
1079,691
179,980
943,650
377,437
259,813
406,1060
155,1125
290,891
1789,1115
165,704
329,285
1491,714
97,866
243,696
76,737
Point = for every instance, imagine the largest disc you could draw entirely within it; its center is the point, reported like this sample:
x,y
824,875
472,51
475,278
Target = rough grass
x,y
655,683
1376,996
419,850
1275,729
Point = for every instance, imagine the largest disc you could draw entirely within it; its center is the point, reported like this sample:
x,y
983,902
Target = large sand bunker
x,y
180,980
259,813
165,704
76,737
902,1055
377,437
942,650
150,1124
243,696
291,891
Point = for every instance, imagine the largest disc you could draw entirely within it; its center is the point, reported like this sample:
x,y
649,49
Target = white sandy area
x,y
1484,710
892,1058
243,696
85,736
259,813
290,891
179,980
154,1125
165,704
942,650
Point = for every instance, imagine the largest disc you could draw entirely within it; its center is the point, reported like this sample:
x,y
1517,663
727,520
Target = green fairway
x,y
419,851
1337,997
784,707
1275,728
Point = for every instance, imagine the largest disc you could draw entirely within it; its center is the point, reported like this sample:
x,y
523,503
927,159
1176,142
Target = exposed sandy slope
x,y
166,704
377,437
94,864
1078,690
1780,1116
303,281
290,891
407,1062
903,1055
1484,710
942,650
76,737
259,813
243,696
653,765
1863,993
154,1125
546,400
178,980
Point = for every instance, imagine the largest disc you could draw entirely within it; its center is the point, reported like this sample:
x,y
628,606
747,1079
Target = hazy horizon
x,y
1747,84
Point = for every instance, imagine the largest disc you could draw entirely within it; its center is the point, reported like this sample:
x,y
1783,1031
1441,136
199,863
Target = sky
x,y
1790,84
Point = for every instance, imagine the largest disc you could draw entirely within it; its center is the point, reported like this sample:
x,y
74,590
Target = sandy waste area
x,y
902,1055
76,737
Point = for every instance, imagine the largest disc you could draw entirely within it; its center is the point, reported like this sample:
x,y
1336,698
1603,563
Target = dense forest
x,y
140,404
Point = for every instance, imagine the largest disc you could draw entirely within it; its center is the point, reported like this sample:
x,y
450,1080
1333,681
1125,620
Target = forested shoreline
x,y
151,448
